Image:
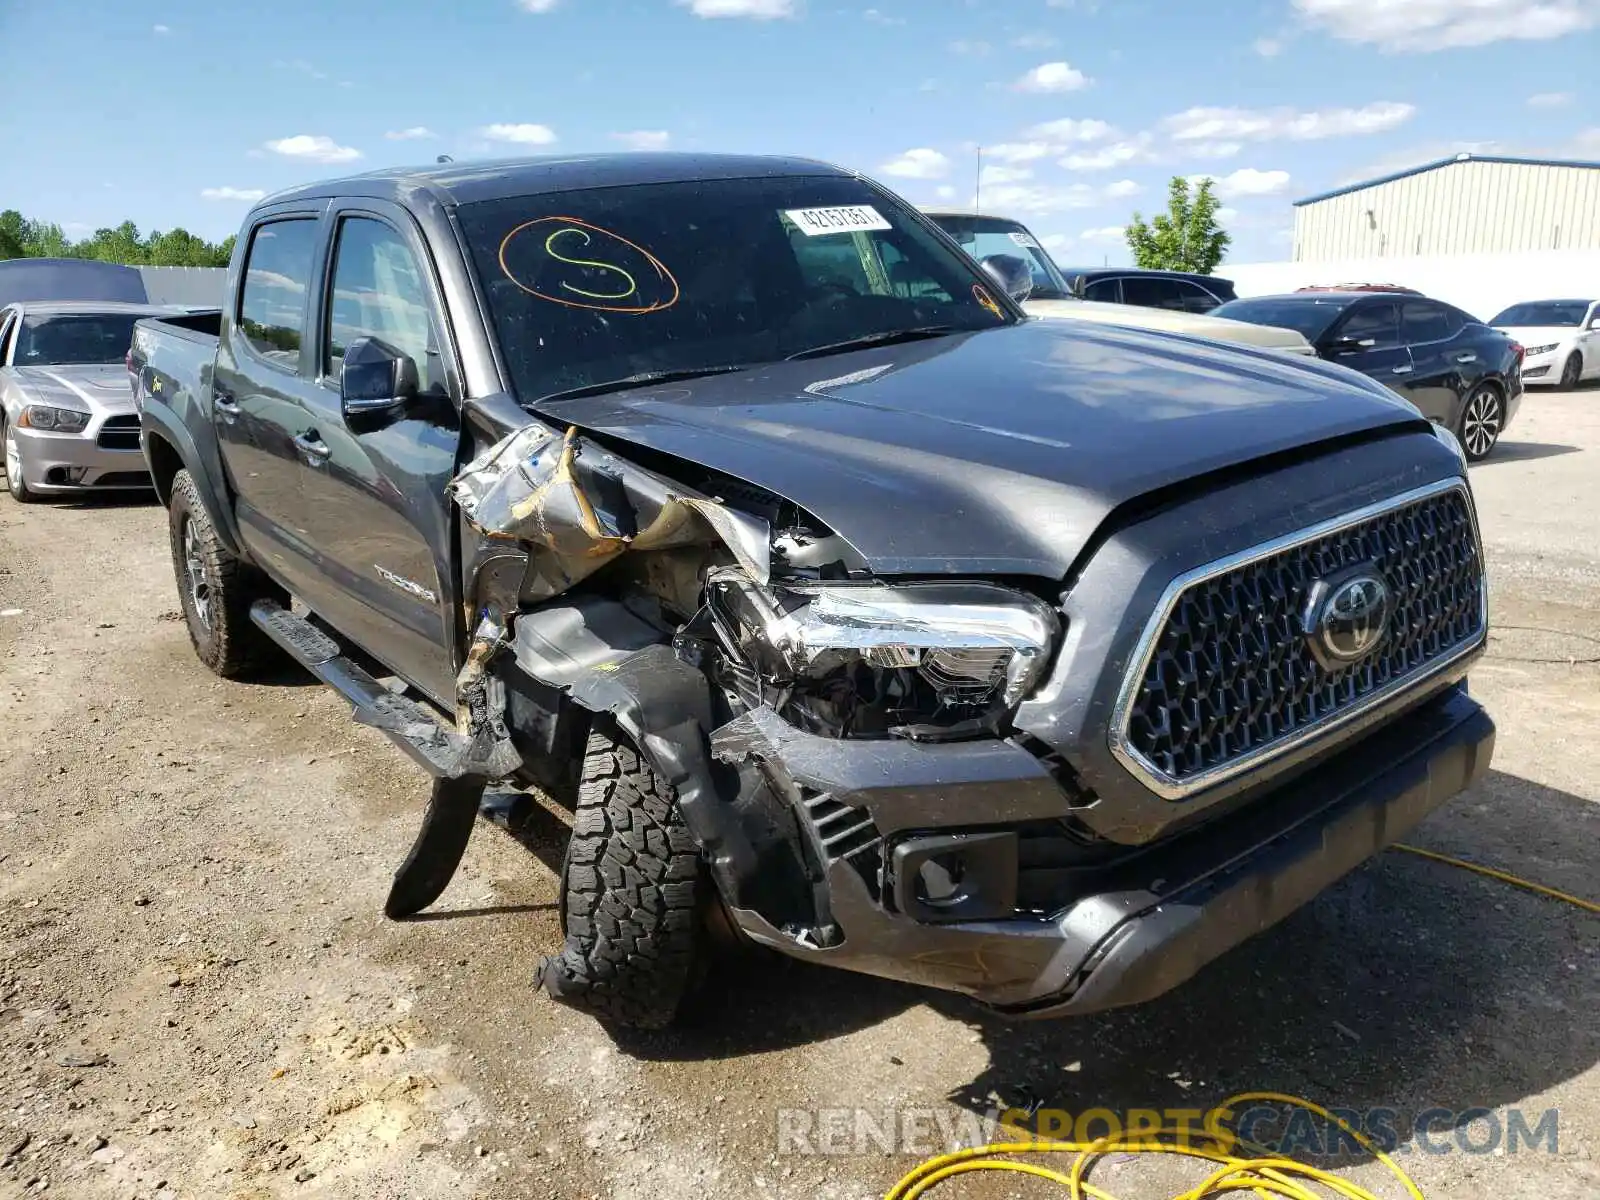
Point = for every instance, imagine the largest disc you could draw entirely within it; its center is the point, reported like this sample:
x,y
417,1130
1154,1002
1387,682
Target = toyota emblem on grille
x,y
1346,617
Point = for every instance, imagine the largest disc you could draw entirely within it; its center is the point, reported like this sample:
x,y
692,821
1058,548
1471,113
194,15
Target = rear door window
x,y
1423,322
272,302
1194,298
1379,323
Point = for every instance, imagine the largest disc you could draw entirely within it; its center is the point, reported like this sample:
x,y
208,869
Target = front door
x,y
1367,339
376,520
1443,364
260,388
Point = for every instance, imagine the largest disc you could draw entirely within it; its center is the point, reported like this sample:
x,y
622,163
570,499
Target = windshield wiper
x,y
643,379
915,334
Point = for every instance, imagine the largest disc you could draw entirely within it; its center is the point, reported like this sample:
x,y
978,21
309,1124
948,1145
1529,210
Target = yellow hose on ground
x,y
1267,1177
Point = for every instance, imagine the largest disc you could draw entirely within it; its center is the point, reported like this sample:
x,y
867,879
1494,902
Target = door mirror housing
x,y
1011,273
1350,345
375,377
1594,322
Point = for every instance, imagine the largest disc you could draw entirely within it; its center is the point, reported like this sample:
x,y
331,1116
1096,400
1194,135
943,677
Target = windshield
x,y
589,286
1545,312
984,236
56,341
1309,318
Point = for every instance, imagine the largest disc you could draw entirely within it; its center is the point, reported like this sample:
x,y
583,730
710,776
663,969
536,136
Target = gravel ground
x,y
199,998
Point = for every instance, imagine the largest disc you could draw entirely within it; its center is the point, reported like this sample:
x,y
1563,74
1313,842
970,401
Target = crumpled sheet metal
x,y
585,506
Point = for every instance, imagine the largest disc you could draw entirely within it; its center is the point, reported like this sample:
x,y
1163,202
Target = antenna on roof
x,y
977,185
444,158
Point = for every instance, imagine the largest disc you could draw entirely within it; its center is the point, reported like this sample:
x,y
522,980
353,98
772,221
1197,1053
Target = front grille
x,y
119,433
1226,677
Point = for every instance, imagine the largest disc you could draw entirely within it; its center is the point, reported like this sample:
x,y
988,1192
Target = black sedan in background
x,y
1459,372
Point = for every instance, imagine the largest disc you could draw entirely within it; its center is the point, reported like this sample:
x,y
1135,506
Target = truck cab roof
x,y
468,182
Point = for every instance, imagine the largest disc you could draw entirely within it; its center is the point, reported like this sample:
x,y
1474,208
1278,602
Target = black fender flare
x,y
609,661
161,423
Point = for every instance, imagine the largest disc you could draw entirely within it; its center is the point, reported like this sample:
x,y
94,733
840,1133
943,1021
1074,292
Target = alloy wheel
x,y
194,570
1480,424
1570,372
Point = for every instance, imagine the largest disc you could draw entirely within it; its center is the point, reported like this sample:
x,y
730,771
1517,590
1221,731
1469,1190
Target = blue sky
x,y
177,112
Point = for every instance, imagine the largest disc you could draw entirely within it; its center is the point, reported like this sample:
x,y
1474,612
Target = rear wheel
x,y
13,460
630,891
1571,371
216,588
1482,418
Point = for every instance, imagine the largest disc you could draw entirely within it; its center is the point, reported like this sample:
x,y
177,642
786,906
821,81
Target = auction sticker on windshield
x,y
813,222
1024,240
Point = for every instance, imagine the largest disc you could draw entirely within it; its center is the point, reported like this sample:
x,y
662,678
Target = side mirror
x,y
1595,324
1349,345
1011,273
375,377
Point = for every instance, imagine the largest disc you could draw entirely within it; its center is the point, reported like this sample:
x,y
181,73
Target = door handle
x,y
1401,370
312,446
1466,358
225,403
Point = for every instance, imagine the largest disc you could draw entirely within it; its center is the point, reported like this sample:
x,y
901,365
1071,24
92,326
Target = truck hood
x,y
1167,321
990,453
101,389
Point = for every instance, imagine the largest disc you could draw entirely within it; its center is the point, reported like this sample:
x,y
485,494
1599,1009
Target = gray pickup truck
x,y
728,501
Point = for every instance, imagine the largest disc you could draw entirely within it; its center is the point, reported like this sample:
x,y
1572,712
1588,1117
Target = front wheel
x,y
630,893
1572,372
13,458
1482,418
216,588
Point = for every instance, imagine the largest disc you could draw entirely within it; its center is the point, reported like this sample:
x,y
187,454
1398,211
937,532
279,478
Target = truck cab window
x,y
378,293
272,303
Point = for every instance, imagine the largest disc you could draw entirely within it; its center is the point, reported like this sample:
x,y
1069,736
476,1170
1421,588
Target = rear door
x,y
1105,291
1367,339
260,388
1444,362
376,522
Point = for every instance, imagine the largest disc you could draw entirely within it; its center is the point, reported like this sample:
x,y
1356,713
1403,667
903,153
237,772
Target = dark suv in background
x,y
1149,289
1462,374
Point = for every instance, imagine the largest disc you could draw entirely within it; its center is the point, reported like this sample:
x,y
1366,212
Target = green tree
x,y
1184,238
13,234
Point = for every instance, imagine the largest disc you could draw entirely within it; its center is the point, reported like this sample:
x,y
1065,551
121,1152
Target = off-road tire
x,y
1571,371
18,489
225,640
630,888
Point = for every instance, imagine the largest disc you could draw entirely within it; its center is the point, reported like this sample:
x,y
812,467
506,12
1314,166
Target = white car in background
x,y
1560,340
989,237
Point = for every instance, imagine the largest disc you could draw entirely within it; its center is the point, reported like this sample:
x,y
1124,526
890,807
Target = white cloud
x,y
313,148
520,134
1055,241
1106,233
964,46
537,6
1117,154
756,10
1227,214
878,18
643,139
1214,149
1019,151
1550,100
1053,77
1038,198
1034,41
920,163
1268,47
232,193
944,192
1421,26
161,29
1122,188
996,175
417,133
1069,129
1260,125
1247,181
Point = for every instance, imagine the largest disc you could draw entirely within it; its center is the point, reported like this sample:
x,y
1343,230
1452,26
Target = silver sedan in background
x,y
67,419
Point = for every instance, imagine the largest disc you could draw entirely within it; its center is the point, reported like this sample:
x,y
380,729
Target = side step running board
x,y
443,753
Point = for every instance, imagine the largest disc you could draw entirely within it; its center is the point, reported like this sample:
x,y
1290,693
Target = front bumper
x,y
1125,931
66,463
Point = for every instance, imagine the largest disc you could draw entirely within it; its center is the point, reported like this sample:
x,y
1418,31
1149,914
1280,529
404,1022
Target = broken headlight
x,y
920,660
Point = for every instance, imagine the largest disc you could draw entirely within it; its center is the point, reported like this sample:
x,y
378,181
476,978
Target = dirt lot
x,y
199,998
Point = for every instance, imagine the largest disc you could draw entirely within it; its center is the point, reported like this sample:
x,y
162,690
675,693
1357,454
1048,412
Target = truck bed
x,y
171,360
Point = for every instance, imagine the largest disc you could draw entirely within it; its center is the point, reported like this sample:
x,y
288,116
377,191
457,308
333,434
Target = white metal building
x,y
1469,204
